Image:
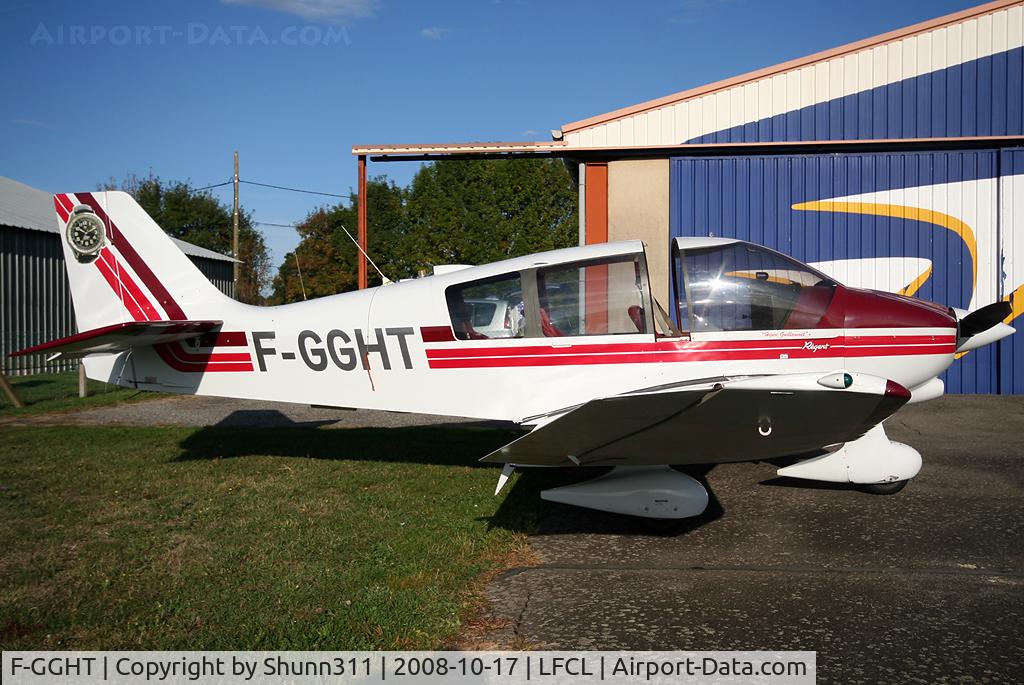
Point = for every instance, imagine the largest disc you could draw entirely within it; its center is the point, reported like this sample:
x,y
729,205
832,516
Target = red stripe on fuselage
x,y
688,346
691,351
169,355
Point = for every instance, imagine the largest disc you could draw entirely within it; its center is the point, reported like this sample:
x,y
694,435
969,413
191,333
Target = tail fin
x,y
123,268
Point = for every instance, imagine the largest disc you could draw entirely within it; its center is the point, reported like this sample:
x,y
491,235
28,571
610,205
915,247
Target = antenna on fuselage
x,y
384,279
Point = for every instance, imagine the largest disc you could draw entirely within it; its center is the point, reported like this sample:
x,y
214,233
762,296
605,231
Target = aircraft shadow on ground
x,y
801,484
271,433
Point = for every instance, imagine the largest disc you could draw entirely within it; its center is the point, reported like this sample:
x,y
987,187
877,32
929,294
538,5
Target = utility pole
x,y
234,229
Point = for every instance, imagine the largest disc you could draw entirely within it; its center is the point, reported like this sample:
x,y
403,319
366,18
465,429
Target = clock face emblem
x,y
85,232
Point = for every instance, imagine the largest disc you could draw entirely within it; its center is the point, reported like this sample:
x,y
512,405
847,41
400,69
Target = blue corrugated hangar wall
x,y
941,225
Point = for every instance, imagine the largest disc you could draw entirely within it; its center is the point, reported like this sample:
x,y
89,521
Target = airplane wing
x,y
122,336
717,420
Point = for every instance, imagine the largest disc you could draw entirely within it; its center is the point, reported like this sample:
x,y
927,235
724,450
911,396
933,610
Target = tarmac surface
x,y
926,585
923,586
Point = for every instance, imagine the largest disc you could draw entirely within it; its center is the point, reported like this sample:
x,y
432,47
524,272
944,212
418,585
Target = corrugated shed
x,y
35,300
961,77
938,225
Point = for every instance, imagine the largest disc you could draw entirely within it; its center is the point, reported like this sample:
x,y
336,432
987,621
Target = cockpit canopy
x,y
725,285
720,285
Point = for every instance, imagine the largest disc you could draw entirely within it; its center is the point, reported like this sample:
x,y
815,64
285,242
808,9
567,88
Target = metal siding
x,y
35,299
755,198
969,99
1011,226
34,286
218,272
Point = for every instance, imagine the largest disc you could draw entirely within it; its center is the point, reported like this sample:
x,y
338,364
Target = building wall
x,y
35,299
943,226
638,198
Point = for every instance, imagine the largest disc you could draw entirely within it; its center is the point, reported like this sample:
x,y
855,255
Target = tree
x,y
326,256
199,218
454,212
481,211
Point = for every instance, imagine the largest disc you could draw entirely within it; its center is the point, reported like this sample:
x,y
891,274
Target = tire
x,y
890,488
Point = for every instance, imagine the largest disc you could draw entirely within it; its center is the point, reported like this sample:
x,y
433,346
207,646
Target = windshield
x,y
740,286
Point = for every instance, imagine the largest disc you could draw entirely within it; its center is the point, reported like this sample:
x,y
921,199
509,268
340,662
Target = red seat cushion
x,y
549,329
636,315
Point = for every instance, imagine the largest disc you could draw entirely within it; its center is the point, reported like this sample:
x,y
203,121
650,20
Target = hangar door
x,y
934,225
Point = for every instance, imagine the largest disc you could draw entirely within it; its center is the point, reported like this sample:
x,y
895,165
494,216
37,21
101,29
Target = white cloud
x,y
35,123
530,132
434,33
315,10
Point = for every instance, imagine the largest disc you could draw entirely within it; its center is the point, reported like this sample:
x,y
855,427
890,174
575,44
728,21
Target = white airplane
x,y
772,359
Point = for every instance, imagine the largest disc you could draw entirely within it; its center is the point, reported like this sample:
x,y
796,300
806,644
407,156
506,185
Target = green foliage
x,y
199,218
479,211
470,212
326,255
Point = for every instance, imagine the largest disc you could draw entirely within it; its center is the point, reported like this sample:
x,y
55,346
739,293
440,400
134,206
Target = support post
x,y
83,381
9,391
361,210
234,231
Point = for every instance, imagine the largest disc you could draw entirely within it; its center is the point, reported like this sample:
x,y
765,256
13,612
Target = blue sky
x,y
102,89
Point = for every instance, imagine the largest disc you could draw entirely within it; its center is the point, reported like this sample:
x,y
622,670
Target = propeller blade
x,y
983,319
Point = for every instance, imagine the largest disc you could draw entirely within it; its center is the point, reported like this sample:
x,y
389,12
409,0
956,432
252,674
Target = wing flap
x,y
736,420
122,336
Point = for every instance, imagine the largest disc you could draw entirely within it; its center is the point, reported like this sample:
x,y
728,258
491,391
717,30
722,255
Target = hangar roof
x,y
23,206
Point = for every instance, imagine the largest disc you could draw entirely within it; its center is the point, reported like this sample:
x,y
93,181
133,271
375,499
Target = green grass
x,y
215,538
59,392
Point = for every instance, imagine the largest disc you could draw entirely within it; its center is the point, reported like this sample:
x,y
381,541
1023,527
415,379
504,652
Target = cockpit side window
x,y
598,297
488,308
740,287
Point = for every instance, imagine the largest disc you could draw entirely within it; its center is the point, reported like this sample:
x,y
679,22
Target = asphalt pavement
x,y
923,586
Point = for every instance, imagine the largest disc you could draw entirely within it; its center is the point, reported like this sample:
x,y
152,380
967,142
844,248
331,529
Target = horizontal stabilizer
x,y
121,336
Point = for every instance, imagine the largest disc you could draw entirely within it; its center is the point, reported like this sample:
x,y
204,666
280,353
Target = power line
x,y
267,223
293,190
215,185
